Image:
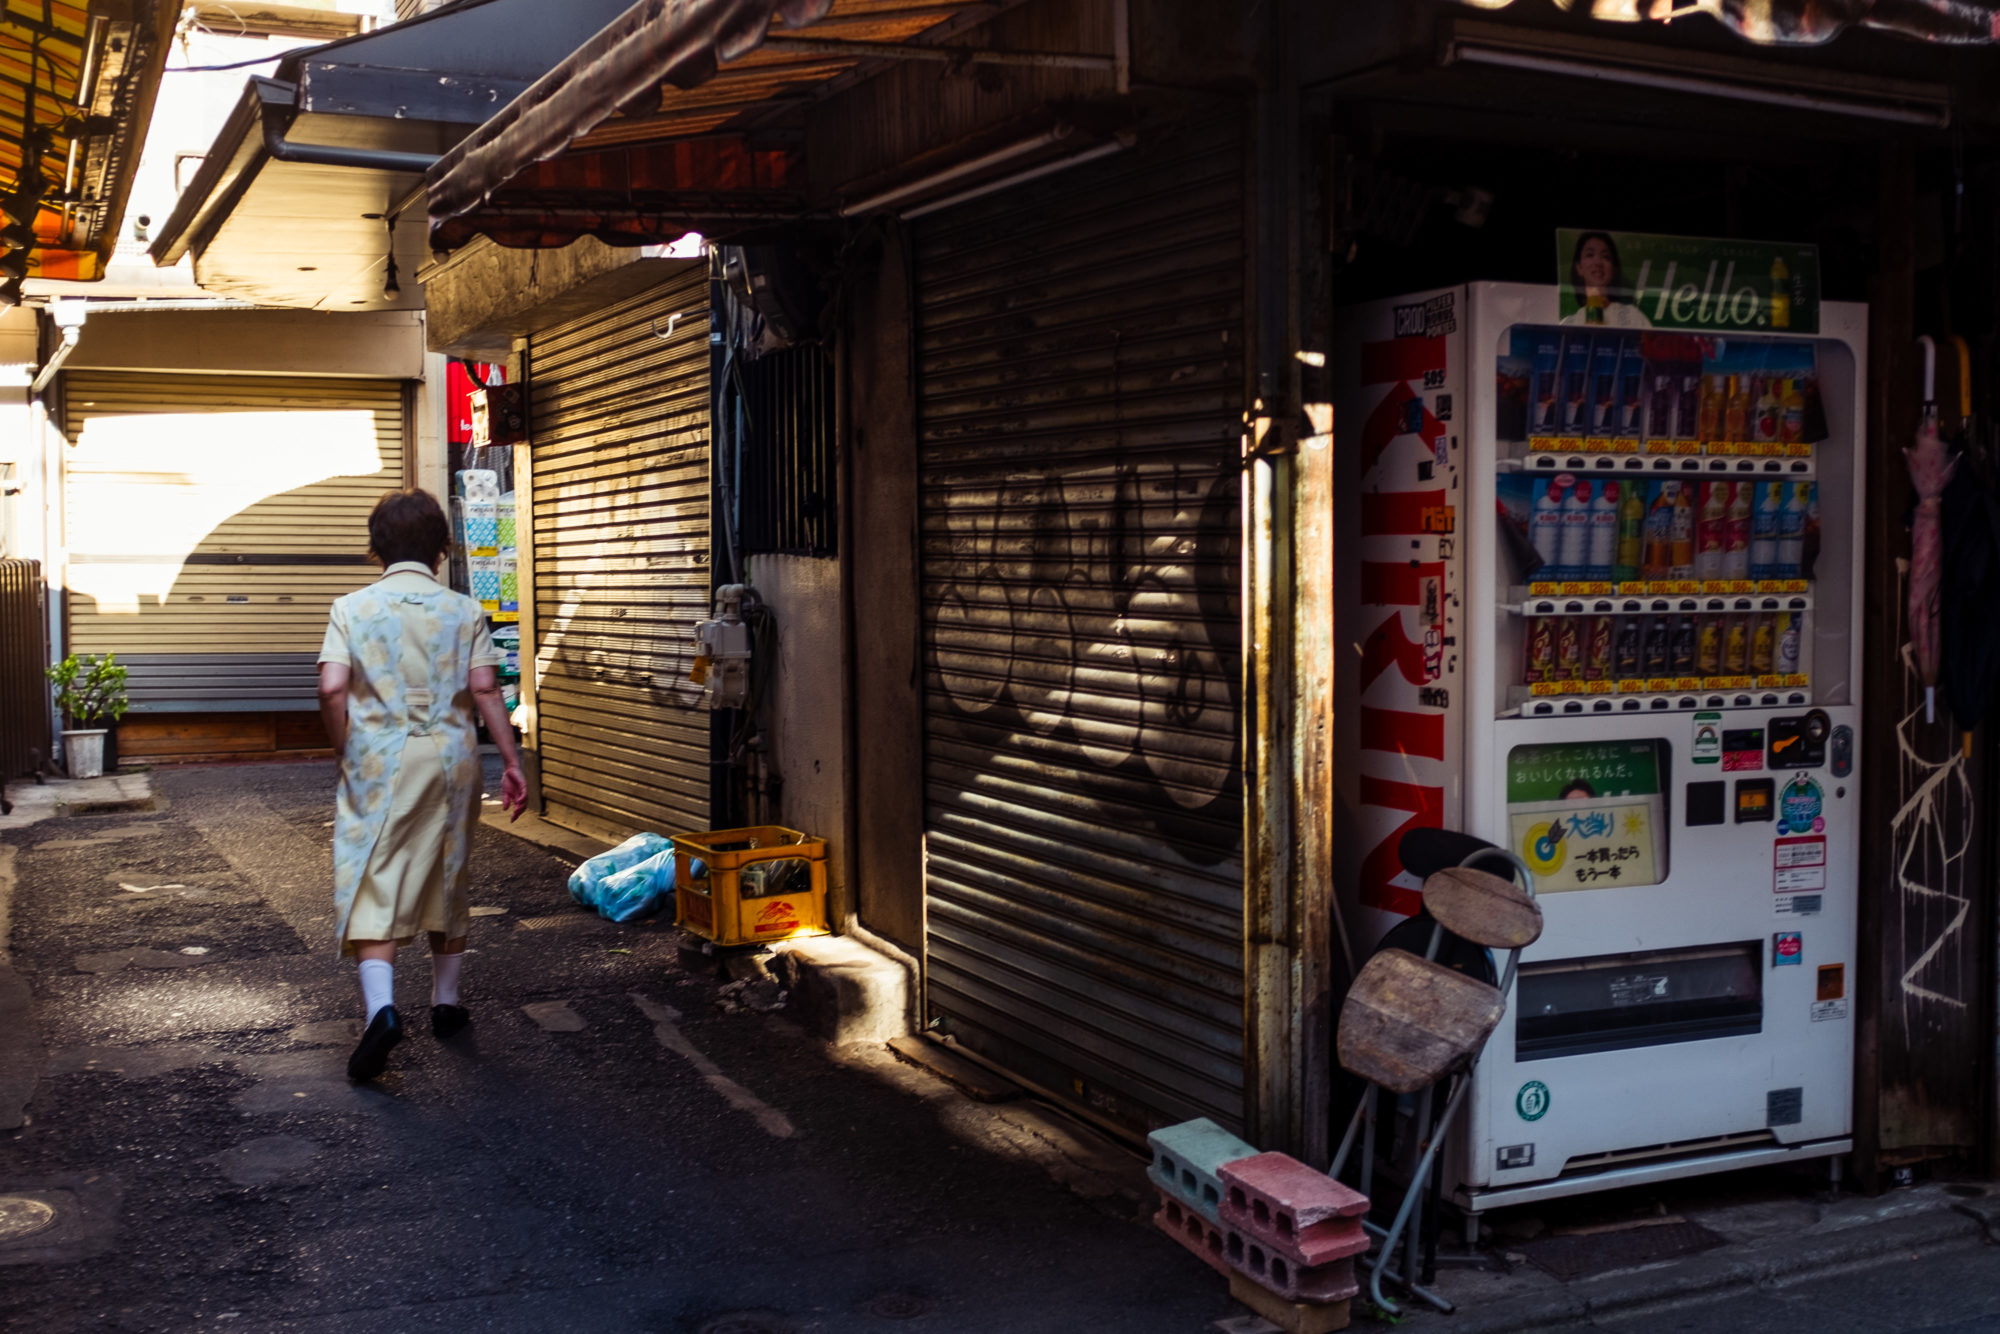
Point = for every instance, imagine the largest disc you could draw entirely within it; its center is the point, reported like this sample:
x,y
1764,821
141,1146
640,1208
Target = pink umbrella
x,y
1931,466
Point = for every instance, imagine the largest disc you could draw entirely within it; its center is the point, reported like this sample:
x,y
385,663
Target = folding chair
x,y
1409,1024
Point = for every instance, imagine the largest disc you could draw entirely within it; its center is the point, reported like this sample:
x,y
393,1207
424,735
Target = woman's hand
x,y
513,792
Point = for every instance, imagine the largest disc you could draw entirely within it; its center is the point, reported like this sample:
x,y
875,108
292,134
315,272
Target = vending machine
x,y
1599,605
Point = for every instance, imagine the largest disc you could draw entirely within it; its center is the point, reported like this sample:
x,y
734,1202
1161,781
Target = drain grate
x,y
553,922
23,1216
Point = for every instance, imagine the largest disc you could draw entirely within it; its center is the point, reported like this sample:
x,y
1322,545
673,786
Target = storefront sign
x,y
1634,280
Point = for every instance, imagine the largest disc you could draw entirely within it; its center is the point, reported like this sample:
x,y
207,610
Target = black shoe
x,y
447,1020
371,1054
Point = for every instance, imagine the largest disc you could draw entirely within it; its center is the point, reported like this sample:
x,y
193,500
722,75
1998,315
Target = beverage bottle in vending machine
x,y
1767,409
1574,556
1790,631
1809,549
1736,647
1659,561
1708,647
1597,650
1713,398
1683,540
1659,646
1569,648
1792,530
1736,410
1764,531
1604,531
1736,555
1631,530
1545,524
1711,530
1541,654
1763,645
1682,663
1628,655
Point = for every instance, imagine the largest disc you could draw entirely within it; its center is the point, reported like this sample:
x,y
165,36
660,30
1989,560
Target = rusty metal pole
x,y
1288,587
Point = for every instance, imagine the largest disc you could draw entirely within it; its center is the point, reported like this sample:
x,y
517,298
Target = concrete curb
x,y
1777,1262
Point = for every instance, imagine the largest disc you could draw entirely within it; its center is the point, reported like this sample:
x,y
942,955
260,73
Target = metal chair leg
x,y
1411,1199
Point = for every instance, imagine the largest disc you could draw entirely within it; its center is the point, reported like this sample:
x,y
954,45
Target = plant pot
x,y
83,752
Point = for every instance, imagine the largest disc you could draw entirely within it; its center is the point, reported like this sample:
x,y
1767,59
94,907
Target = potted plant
x,y
91,693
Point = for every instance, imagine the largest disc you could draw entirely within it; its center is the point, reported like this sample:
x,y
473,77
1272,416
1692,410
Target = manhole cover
x,y
21,1216
747,1322
898,1306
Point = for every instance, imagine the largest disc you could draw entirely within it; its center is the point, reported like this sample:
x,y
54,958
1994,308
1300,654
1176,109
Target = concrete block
x,y
1331,1282
1193,1231
1302,1215
847,992
1185,1159
1292,1317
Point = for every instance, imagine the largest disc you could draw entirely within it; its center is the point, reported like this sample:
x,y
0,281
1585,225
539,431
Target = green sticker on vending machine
x,y
1589,814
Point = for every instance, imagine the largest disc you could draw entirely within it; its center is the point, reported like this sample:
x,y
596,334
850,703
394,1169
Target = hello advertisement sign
x,y
1637,280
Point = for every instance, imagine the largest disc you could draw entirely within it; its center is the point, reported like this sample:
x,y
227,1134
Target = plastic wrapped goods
x,y
633,880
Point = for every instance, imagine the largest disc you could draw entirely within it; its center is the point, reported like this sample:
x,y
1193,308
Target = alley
x,y
631,1157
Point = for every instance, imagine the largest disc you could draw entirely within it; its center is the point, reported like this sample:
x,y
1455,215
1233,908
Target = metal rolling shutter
x,y
1081,406
212,521
621,561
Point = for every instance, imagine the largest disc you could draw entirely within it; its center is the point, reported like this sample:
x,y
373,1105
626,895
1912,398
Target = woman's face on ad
x,y
1593,263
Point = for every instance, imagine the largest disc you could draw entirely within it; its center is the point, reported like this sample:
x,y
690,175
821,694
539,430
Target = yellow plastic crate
x,y
750,886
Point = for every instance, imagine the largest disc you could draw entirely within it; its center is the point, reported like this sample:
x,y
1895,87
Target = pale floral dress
x,y
410,778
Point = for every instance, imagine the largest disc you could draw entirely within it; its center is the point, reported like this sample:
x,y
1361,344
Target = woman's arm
x,y
484,683
333,703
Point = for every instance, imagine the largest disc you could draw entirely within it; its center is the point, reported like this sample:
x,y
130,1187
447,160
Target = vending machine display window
x,y
1569,1007
1590,815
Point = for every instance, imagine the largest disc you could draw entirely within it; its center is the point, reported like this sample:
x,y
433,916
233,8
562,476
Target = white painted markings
x,y
666,1031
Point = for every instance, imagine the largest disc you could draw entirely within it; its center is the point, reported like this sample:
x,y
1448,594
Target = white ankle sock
x,y
378,985
444,977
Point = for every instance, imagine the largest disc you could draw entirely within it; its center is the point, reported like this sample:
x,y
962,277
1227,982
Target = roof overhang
x,y
682,115
300,200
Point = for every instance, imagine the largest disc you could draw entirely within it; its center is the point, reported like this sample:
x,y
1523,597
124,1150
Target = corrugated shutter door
x,y
621,561
212,521
1081,405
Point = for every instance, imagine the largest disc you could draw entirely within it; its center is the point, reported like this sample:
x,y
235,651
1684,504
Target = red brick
x,y
1193,1231
1305,1216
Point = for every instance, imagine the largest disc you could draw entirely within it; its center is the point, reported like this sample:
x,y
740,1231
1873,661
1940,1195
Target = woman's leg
x,y
376,963
447,957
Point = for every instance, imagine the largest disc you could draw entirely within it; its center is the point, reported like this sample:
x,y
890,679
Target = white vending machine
x,y
1600,605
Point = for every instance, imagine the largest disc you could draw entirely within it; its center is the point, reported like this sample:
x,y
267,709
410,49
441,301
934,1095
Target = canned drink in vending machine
x,y
1541,655
1683,648
1569,648
1659,646
1708,647
1763,645
1790,631
1629,654
1736,646
1597,650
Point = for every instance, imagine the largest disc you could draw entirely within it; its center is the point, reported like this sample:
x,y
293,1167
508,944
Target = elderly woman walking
x,y
406,663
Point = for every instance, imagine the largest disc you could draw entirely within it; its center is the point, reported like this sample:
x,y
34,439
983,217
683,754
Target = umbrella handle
x,y
1930,367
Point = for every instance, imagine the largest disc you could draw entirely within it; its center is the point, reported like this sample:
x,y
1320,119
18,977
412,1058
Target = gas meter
x,y
723,648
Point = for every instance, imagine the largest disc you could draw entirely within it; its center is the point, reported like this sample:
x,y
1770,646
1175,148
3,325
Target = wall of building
x,y
879,530
805,725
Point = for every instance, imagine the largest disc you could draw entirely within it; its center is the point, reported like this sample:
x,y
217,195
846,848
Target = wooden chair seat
x,y
1483,908
1409,1022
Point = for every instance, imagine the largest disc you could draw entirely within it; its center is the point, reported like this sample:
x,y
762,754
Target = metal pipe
x,y
1007,182
944,55
282,149
56,359
957,172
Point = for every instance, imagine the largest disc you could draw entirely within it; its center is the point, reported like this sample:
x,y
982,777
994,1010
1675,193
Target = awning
x,y
297,202
687,70
77,83
1806,22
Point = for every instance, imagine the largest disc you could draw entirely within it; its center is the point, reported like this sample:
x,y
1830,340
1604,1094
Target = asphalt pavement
x,y
608,1149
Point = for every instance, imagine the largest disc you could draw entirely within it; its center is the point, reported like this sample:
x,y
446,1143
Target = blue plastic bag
x,y
633,880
